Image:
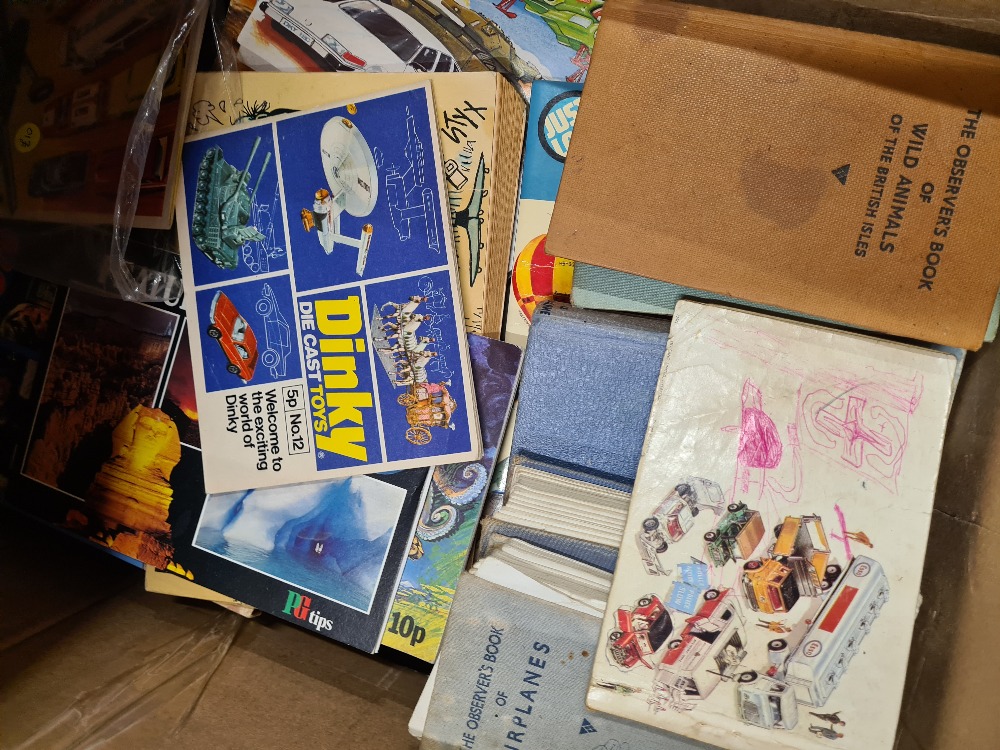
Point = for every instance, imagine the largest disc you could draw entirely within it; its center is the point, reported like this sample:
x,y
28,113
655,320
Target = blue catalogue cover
x,y
320,277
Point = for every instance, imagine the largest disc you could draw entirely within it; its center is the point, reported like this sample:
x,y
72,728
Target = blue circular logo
x,y
555,126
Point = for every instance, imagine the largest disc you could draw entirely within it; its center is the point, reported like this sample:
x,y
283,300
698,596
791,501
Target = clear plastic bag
x,y
149,285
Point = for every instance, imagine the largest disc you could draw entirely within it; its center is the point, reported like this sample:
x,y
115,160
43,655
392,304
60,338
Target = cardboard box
x,y
90,655
75,618
848,176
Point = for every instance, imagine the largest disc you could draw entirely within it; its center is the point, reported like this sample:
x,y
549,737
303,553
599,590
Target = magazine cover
x,y
75,75
535,275
104,444
525,40
323,287
451,512
479,120
767,583
28,313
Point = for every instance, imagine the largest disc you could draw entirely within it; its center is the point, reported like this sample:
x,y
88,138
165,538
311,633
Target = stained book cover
x,y
846,176
322,283
770,570
450,513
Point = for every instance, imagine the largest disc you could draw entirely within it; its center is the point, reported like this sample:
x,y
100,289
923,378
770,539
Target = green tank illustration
x,y
219,222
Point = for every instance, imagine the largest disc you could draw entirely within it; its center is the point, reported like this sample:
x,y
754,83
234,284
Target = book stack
x,y
693,511
353,360
757,598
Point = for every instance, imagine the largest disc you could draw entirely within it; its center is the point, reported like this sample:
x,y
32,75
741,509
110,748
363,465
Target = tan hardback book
x,y
480,119
843,175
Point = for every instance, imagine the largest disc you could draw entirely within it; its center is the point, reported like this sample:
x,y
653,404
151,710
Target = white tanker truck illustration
x,y
806,665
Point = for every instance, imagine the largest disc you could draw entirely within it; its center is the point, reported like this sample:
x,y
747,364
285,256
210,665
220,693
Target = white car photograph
x,y
359,35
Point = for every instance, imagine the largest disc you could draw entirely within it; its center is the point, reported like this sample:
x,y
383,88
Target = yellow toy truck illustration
x,y
797,565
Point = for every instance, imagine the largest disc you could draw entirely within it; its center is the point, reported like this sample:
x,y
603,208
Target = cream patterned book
x,y
769,575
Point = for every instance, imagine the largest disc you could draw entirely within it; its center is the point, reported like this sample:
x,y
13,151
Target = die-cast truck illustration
x,y
708,650
736,535
673,518
797,565
807,665
640,632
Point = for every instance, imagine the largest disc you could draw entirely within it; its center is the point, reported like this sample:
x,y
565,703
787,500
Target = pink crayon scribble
x,y
760,445
760,451
863,428
843,533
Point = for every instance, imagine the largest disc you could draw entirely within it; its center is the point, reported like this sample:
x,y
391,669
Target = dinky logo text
x,y
300,607
332,375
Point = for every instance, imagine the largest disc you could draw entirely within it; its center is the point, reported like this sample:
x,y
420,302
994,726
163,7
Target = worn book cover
x,y
480,123
575,408
843,175
322,283
513,674
74,77
451,511
769,576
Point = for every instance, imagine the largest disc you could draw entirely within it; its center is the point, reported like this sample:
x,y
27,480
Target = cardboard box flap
x,y
839,174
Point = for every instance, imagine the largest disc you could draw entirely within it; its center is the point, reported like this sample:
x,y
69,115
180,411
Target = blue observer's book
x,y
587,390
513,673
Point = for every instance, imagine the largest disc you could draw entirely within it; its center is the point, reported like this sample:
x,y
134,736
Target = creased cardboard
x,y
839,174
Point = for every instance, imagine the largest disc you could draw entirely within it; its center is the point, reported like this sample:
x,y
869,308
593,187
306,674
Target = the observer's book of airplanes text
x,y
327,328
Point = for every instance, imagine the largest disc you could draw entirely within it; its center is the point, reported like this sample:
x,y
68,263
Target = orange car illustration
x,y
234,335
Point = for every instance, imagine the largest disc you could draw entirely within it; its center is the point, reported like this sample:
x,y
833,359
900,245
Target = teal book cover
x,y
451,512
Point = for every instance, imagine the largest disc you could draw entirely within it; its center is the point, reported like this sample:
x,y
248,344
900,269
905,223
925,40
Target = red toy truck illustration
x,y
806,666
709,649
639,632
234,335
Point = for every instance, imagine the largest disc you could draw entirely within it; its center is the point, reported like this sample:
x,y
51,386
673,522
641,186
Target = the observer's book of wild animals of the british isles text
x,y
327,329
